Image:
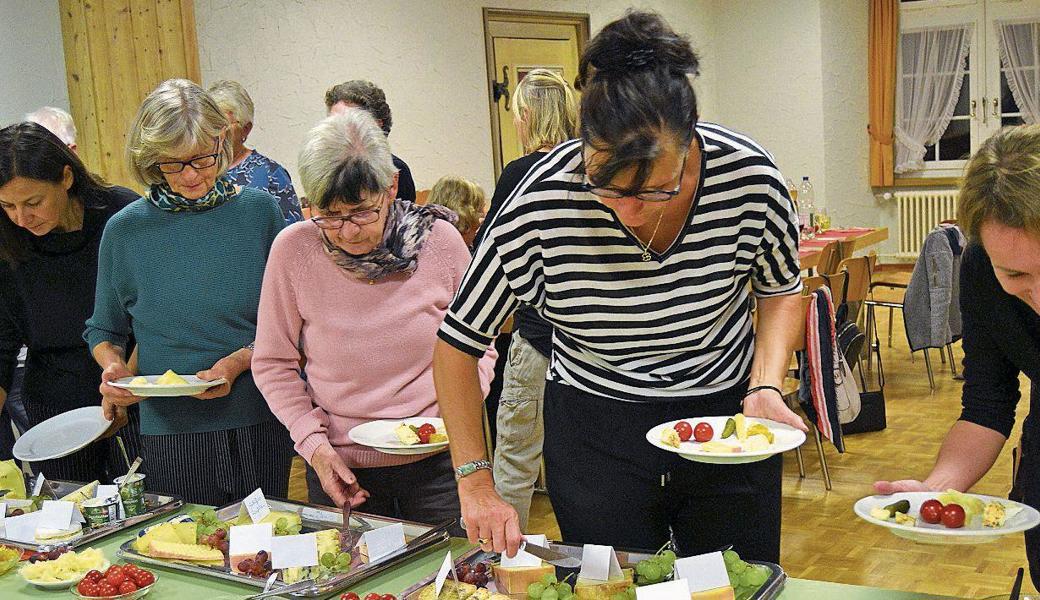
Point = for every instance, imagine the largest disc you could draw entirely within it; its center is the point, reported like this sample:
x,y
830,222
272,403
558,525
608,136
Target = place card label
x,y
599,563
384,541
257,506
250,539
294,551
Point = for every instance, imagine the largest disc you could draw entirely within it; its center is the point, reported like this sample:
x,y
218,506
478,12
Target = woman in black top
x,y
53,213
1000,305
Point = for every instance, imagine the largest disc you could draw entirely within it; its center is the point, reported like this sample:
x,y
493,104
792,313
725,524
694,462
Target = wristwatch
x,y
471,467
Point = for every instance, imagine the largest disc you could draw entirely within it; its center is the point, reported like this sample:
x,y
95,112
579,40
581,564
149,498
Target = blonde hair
x,y
344,155
178,117
57,121
1002,182
546,110
232,98
463,196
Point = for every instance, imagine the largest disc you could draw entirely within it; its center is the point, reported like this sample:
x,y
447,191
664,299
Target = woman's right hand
x,y
336,478
112,395
490,521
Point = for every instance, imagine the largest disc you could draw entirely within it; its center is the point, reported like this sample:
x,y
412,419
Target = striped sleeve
x,y
777,272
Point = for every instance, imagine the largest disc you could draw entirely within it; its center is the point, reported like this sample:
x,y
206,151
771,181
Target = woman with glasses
x,y
182,268
643,244
349,312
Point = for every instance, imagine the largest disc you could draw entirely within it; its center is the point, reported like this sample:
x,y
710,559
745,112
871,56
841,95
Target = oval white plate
x,y
925,533
380,435
62,435
153,390
785,438
66,584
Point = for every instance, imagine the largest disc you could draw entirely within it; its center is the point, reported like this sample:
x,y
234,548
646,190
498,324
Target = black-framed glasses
x,y
359,218
644,195
171,167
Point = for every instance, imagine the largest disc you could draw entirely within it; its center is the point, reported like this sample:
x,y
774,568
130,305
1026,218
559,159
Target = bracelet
x,y
759,388
471,467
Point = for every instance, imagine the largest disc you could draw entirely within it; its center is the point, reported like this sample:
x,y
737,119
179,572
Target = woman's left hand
x,y
229,367
768,404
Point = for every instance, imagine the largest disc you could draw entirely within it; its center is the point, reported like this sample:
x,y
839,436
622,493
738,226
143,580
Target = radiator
x,y
919,212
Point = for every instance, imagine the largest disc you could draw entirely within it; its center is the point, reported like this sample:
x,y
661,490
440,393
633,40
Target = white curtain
x,y
929,83
1019,47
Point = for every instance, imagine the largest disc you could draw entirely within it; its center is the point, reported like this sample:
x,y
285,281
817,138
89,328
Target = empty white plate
x,y
154,390
62,435
380,435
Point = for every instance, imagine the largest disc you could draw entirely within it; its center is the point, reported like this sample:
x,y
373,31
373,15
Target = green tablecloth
x,y
177,585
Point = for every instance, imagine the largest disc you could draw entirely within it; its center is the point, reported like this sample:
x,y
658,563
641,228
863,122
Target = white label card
x,y
256,505
599,563
3,514
669,590
294,551
384,540
523,559
250,539
448,566
38,486
314,514
23,527
704,571
56,514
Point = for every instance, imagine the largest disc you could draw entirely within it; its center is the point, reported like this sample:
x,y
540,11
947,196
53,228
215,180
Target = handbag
x,y
848,336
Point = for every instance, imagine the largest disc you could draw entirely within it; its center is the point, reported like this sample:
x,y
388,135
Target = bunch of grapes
x,y
655,569
477,574
745,578
282,527
549,588
48,554
217,539
628,594
331,563
258,566
207,523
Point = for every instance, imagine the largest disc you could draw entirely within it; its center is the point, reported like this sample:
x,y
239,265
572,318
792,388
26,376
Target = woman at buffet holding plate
x,y
644,244
999,211
53,213
355,295
183,267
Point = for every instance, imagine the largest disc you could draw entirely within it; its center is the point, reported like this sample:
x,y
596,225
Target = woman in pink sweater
x,y
357,295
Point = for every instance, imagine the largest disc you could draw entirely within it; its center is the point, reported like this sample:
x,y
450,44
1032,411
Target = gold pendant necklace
x,y
646,248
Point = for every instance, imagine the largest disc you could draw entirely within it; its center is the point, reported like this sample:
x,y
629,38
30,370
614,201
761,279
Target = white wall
x,y
428,56
32,63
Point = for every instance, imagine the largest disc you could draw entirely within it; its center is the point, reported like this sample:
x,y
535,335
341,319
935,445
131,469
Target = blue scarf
x,y
165,199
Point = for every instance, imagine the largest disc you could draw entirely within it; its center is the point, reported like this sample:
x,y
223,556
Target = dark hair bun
x,y
639,41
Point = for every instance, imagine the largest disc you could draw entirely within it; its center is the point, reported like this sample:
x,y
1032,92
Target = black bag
x,y
871,415
848,336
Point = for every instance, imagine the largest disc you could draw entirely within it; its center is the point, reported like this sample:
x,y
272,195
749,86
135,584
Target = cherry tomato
x,y
685,430
931,511
424,437
127,587
703,432
144,578
349,596
115,579
105,589
953,516
87,588
388,597
428,428
374,596
113,569
93,576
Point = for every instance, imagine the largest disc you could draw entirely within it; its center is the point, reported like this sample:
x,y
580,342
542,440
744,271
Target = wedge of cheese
x,y
451,590
182,533
84,493
138,381
406,435
181,551
514,580
170,378
722,593
588,589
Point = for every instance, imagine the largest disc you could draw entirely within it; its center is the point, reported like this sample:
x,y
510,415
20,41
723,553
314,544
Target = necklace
x,y
646,248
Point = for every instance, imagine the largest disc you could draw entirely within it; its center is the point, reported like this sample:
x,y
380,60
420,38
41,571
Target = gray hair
x,y
232,98
178,117
56,121
344,155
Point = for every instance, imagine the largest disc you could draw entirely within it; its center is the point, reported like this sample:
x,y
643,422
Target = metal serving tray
x,y
156,505
770,590
314,517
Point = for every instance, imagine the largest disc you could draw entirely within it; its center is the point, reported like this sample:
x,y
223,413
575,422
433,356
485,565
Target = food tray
x,y
157,505
770,590
314,518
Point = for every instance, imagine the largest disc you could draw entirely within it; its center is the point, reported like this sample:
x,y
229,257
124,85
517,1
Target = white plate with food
x,y
402,436
65,571
167,385
947,517
725,440
62,435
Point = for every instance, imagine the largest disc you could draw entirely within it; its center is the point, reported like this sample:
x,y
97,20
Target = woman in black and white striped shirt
x,y
642,244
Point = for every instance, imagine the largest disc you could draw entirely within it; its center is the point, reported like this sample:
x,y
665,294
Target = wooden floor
x,y
822,538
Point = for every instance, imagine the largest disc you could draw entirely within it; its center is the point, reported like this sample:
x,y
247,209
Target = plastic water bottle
x,y
807,209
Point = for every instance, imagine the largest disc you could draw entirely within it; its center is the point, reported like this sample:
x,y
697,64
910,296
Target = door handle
x,y
996,107
973,105
498,90
983,109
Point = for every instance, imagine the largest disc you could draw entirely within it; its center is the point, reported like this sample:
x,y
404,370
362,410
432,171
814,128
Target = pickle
x,y
903,506
730,428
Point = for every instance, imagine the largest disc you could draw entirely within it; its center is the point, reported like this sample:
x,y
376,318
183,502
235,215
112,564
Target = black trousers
x,y
422,491
605,479
1027,491
219,467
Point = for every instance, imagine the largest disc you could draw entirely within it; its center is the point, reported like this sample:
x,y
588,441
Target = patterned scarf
x,y
165,199
407,227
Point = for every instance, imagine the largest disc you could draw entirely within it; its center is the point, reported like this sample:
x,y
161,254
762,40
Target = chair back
x,y
859,271
830,256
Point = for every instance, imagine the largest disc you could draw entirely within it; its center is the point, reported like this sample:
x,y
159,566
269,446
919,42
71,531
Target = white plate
x,y
926,533
66,584
380,435
62,435
785,438
153,390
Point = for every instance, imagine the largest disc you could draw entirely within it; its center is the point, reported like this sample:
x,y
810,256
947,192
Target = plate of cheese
x,y
166,385
402,436
725,440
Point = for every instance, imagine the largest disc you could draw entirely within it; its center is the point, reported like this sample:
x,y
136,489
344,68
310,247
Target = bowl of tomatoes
x,y
118,582
370,596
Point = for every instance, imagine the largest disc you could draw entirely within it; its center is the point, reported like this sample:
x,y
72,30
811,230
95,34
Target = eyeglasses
x,y
198,163
644,195
359,218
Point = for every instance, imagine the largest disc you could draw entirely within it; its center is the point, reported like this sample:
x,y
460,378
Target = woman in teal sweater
x,y
182,267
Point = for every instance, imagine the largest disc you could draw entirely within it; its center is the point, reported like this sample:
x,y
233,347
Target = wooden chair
x,y
792,397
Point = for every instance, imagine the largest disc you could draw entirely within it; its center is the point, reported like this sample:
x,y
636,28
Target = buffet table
x,y
173,585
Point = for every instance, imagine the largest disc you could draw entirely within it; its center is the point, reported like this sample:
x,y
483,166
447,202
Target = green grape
x,y
653,573
641,567
631,591
668,556
757,575
619,596
730,558
549,579
343,560
550,594
328,560
534,590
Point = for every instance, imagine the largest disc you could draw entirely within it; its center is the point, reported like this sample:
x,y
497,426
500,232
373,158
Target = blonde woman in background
x,y
464,197
545,114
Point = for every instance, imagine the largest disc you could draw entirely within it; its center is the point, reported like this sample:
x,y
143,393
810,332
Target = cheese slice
x,y
722,593
514,580
587,589
190,552
451,590
138,381
170,378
